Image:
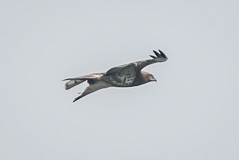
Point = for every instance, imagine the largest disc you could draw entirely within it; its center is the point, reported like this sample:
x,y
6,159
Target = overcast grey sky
x,y
190,114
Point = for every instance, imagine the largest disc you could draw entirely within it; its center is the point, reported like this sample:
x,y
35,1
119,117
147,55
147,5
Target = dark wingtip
x,y
152,56
77,98
156,53
161,52
67,79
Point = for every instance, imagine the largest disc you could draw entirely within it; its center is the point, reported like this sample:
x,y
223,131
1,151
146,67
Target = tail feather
x,y
72,83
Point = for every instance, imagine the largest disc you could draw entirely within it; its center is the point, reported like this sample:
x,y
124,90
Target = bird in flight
x,y
128,75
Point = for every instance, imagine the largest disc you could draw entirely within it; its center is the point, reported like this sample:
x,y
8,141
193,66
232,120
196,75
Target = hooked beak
x,y
153,79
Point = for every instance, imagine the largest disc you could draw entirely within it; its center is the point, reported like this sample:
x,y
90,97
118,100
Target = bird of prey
x,y
127,75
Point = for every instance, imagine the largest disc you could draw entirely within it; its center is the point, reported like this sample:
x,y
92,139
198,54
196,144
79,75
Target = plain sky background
x,y
192,113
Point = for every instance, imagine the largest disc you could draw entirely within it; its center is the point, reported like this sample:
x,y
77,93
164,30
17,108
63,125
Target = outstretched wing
x,y
125,75
86,77
92,88
139,64
72,82
121,68
158,58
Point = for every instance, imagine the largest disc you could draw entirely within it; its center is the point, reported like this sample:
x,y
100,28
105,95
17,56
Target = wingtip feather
x,y
156,53
77,98
152,56
161,52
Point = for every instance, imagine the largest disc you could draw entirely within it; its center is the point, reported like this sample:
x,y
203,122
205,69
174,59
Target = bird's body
x,y
128,75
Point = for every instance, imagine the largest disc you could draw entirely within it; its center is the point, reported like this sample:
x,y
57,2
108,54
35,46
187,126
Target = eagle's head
x,y
147,77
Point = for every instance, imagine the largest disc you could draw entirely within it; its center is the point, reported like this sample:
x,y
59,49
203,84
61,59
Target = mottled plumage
x,y
128,75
